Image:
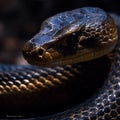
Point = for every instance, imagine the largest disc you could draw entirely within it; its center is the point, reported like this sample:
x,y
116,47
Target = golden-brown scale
x,y
39,89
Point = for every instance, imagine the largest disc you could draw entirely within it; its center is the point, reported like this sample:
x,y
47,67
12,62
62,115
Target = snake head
x,y
59,42
49,53
46,50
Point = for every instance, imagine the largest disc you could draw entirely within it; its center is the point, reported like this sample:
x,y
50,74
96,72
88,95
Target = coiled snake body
x,y
70,37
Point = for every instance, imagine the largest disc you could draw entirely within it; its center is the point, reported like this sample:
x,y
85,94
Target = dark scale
x,y
118,101
100,113
118,110
116,87
118,118
113,105
117,93
107,109
114,113
107,117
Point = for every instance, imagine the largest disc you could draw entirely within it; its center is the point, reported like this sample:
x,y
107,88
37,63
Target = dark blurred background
x,y
21,19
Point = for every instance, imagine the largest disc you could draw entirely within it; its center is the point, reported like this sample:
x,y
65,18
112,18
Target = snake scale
x,y
74,36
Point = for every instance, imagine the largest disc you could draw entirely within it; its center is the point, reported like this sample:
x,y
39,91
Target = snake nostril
x,y
40,51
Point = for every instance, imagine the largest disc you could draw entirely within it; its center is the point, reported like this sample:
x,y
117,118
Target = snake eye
x,y
72,40
69,44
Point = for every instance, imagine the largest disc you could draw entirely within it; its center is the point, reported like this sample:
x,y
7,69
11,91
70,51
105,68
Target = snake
x,y
64,41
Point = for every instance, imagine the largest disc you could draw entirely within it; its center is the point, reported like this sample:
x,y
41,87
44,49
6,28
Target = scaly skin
x,y
24,88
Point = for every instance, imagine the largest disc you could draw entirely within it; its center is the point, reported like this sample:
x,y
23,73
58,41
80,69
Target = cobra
x,y
67,38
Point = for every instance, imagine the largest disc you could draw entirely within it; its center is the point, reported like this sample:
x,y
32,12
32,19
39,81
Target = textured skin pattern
x,y
24,88
105,105
23,82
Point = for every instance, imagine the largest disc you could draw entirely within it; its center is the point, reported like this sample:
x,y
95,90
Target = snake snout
x,y
29,47
30,52
35,54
